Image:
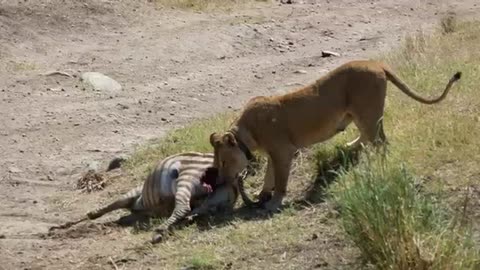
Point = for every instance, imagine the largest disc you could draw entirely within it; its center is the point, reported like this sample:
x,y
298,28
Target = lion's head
x,y
229,158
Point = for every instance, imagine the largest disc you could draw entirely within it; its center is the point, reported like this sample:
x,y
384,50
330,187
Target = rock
x,y
14,170
122,106
329,53
300,71
93,165
101,82
54,89
61,73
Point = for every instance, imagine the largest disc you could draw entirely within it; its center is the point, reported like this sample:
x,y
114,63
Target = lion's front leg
x,y
282,162
268,183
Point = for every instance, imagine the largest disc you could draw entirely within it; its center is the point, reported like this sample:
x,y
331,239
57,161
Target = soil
x,y
174,66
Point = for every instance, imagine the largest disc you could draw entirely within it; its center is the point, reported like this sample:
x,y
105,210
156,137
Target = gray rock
x,y
300,71
101,82
14,170
93,166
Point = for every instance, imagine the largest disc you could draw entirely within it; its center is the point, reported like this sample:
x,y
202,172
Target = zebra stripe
x,y
187,166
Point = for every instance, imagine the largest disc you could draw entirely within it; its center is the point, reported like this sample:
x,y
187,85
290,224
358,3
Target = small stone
x,y
14,170
54,89
93,165
300,71
329,53
163,119
101,82
122,106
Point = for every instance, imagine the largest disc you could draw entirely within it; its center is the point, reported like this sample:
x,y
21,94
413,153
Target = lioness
x,y
279,125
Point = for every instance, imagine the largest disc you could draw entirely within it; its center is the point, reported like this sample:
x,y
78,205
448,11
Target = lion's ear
x,y
230,139
214,139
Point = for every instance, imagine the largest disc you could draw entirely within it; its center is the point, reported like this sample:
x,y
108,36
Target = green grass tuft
x,y
395,225
202,260
194,137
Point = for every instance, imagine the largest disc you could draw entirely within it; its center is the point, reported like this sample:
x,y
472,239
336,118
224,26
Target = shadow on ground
x,y
328,170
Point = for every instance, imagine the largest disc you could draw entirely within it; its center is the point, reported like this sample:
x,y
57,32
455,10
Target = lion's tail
x,y
405,89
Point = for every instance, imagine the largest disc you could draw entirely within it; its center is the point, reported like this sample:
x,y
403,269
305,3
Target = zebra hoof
x,y
159,235
157,238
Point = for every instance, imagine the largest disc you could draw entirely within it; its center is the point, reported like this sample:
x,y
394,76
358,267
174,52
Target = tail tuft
x,y
457,76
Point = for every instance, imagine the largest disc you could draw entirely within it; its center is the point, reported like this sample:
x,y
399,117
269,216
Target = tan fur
x,y
279,125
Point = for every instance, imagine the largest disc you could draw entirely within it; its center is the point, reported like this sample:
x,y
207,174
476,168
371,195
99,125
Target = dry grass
x,y
435,147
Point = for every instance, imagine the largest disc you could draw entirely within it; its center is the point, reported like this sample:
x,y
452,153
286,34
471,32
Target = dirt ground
x,y
175,66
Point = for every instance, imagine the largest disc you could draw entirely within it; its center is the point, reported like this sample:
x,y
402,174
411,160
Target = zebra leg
x,y
182,208
127,201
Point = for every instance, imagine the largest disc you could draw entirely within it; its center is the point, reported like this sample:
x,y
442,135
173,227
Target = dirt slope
x,y
174,67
